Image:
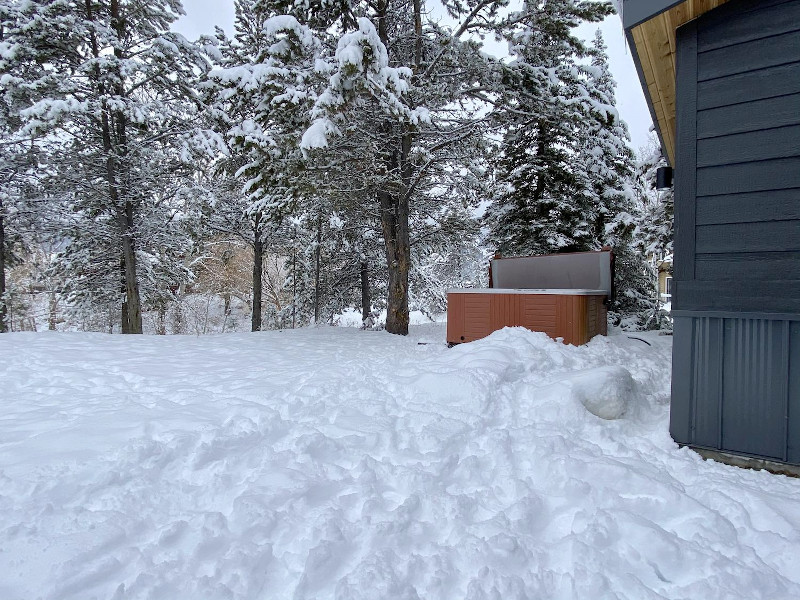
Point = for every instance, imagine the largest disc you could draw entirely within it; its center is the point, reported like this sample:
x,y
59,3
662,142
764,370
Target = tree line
x,y
355,153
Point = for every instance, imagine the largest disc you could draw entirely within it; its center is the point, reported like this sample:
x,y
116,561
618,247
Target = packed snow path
x,y
337,463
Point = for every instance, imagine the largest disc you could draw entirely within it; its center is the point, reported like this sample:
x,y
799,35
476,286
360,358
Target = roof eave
x,y
650,29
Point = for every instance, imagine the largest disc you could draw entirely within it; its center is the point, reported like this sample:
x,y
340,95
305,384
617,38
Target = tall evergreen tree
x,y
607,168
117,94
401,106
605,163
540,205
654,229
19,155
261,96
642,238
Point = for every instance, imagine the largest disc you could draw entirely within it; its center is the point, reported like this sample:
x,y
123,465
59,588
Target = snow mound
x,y
606,392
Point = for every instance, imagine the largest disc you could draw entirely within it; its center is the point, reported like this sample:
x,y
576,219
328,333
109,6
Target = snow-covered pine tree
x,y
644,238
539,205
605,163
261,95
11,162
654,229
451,257
119,99
607,174
19,184
401,107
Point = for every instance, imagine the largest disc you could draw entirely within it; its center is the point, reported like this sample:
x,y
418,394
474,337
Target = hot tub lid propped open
x,y
578,270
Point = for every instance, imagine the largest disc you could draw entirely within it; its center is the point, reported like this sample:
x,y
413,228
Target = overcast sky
x,y
203,15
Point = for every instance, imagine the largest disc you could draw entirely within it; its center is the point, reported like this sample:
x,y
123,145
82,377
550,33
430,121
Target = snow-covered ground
x,y
338,463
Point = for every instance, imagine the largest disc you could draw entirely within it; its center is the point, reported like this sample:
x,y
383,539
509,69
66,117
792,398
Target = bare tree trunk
x,y
226,298
394,221
114,122
258,265
125,322
395,209
133,301
3,307
317,255
397,317
52,313
161,326
366,301
127,214
294,279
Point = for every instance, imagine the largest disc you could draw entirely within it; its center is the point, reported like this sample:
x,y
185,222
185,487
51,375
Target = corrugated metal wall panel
x,y
707,383
736,386
755,386
793,413
681,406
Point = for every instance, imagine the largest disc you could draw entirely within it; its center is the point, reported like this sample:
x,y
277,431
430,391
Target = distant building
x,y
665,279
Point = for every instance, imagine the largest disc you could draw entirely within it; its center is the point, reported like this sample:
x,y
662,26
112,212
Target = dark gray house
x,y
722,79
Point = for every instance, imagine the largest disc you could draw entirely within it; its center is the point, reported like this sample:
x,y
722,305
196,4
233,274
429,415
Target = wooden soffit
x,y
654,42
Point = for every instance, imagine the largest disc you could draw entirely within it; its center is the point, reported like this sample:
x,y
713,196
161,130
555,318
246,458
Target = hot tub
x,y
567,310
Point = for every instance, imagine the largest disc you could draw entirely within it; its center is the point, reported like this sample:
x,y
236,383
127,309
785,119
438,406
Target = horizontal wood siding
x,y
747,56
749,266
736,294
753,19
780,174
743,201
778,111
749,87
752,207
770,236
752,146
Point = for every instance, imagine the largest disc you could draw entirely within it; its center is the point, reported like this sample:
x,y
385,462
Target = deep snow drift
x,y
337,463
